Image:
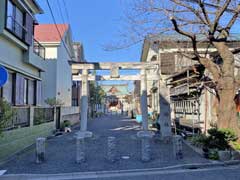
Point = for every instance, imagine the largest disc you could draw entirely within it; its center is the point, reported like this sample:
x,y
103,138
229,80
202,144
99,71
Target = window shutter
x,y
38,92
167,63
19,90
29,28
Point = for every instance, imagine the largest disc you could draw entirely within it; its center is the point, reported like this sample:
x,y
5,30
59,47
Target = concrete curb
x,y
120,173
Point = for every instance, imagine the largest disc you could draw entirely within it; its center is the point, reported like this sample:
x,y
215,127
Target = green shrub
x,y
235,146
6,114
229,134
54,102
213,154
198,140
219,139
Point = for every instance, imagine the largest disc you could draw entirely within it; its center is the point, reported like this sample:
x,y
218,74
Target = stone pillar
x,y
112,149
177,147
84,106
40,150
145,149
84,100
80,150
144,135
144,107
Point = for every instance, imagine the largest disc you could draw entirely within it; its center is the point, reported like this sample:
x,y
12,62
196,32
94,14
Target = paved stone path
x,y
61,151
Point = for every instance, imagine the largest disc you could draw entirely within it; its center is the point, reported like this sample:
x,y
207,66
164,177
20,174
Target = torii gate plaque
x,y
114,68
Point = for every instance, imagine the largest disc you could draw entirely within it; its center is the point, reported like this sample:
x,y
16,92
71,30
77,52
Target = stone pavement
x,y
61,151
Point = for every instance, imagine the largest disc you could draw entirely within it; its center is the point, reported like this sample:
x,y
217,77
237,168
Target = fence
x,y
21,118
25,116
43,115
32,116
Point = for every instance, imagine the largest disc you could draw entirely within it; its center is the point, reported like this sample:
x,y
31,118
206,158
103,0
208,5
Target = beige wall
x,y
11,56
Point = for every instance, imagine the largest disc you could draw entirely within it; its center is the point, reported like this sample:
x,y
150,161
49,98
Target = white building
x,y
57,79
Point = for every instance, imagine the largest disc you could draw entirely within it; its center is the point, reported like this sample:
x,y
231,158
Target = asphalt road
x,y
229,173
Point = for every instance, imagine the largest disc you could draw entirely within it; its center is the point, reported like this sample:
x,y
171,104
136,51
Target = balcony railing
x,y
38,49
16,28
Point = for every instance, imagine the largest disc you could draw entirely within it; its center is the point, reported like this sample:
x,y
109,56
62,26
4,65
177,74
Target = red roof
x,y
49,32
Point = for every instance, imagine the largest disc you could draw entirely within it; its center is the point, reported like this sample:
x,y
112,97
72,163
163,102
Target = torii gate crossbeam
x,y
114,67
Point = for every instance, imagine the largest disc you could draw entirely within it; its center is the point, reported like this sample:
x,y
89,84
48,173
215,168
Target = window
x,y
167,63
7,91
31,92
15,20
25,90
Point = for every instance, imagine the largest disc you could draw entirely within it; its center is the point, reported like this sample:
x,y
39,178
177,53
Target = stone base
x,y
145,134
40,150
80,150
224,155
167,139
236,155
84,134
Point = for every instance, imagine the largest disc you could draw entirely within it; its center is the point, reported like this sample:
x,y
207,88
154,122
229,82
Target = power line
x,y
66,11
54,20
67,15
60,10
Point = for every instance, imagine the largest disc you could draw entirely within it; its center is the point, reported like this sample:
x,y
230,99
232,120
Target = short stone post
x,y
145,148
40,150
111,151
177,147
80,149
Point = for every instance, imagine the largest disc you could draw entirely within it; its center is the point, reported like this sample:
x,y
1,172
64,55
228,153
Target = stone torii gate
x,y
84,77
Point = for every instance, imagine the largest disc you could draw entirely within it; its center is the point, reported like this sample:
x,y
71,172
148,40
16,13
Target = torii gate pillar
x,y
144,107
84,106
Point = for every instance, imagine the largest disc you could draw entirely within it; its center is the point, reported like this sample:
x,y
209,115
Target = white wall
x,y
49,80
51,52
64,77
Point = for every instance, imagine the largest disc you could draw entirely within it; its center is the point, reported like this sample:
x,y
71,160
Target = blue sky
x,y
95,23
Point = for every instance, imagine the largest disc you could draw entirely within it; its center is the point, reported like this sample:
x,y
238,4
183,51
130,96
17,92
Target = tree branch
x,y
191,9
188,34
219,14
233,19
202,6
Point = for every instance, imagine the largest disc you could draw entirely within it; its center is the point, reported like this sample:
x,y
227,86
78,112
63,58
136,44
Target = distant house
x,y
20,53
116,95
180,92
57,79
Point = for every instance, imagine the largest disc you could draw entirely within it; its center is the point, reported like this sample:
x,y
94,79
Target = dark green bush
x,y
219,139
6,114
198,140
235,146
213,154
229,134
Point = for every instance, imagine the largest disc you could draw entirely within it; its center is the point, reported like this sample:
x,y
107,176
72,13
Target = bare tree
x,y
208,21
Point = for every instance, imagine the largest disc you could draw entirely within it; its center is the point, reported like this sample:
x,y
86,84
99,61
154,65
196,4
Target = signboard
x,y
3,76
114,71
